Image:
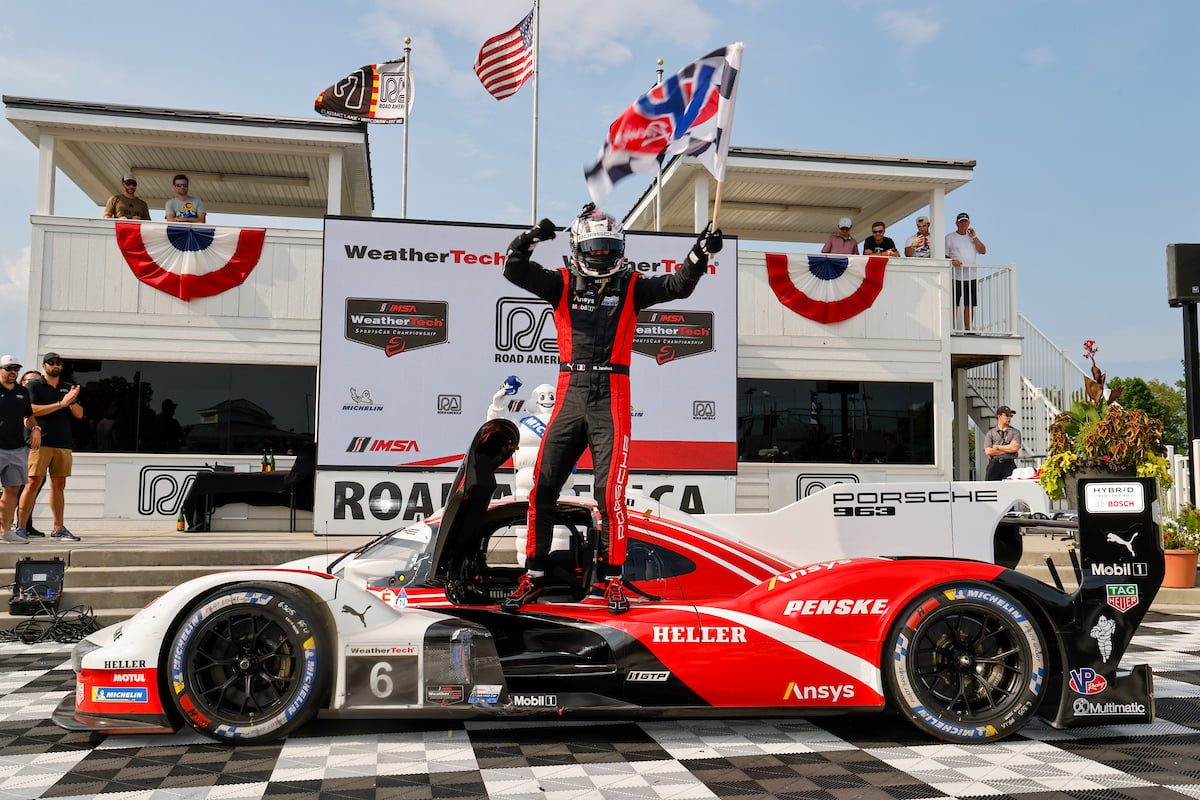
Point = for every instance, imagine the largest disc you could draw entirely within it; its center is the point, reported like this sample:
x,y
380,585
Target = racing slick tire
x,y
247,663
966,662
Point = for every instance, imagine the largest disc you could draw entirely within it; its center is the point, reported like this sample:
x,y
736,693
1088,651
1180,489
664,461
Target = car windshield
x,y
411,548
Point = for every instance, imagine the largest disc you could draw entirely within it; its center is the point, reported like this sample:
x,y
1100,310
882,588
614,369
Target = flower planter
x,y
1180,569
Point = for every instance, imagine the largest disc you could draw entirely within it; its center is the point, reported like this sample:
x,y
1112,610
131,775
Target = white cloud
x,y
1040,56
909,27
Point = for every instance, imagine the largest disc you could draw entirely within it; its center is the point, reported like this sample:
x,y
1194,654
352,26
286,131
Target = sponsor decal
x,y
1122,596
362,252
368,444
951,729
449,404
885,504
485,693
704,409
1136,570
360,615
788,577
1127,543
534,424
525,332
135,663
972,593
1114,498
827,692
398,598
114,694
396,326
648,675
128,677
161,489
1103,632
669,335
1082,707
813,482
705,634
361,401
842,607
445,695
534,700
381,650
1086,680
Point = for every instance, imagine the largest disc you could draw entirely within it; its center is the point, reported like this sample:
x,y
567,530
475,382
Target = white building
x,y
888,394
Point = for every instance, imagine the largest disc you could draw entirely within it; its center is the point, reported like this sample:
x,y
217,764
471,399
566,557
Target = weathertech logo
x,y
669,335
366,444
396,326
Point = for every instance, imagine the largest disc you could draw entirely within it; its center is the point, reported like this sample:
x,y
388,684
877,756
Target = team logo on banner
x,y
669,335
826,288
189,261
396,326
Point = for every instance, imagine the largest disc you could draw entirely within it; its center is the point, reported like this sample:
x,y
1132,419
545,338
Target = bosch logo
x,y
367,444
704,409
449,404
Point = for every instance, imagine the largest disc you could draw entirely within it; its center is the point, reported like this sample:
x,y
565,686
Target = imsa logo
x,y
648,676
364,444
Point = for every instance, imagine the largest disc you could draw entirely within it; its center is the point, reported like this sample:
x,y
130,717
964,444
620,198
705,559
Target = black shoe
x,y
614,595
528,589
31,531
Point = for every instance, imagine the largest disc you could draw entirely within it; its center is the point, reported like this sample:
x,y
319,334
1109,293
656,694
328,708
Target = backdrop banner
x,y
419,328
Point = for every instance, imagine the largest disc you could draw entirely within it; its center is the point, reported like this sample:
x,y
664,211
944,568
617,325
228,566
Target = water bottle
x,y
271,462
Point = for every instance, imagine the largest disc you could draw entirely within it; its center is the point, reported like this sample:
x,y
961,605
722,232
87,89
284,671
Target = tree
x,y
1161,401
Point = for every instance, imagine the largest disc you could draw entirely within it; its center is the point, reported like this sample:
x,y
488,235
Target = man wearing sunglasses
x,y
127,205
16,417
183,207
56,407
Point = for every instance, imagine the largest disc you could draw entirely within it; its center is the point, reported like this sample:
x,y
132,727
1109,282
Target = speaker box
x,y
1183,274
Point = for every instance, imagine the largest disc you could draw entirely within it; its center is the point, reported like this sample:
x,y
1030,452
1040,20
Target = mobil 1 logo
x,y
396,326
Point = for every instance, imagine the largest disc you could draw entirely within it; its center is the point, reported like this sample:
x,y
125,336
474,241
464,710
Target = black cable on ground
x,y
51,625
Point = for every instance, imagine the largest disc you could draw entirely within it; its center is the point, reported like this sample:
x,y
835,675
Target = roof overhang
x,y
238,163
796,195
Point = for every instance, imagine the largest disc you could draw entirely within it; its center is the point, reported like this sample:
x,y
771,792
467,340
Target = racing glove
x,y
542,232
708,243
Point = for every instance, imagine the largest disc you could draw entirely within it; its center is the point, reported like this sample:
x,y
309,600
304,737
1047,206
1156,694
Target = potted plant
x,y
1098,438
1181,540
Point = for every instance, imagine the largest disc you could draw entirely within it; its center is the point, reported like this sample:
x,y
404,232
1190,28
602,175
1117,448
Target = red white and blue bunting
x,y
826,288
189,261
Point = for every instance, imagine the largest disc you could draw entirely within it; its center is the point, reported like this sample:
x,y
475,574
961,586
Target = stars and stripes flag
x,y
505,61
690,113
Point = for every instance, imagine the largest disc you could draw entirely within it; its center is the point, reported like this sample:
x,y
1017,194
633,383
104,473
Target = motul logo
x,y
129,677
840,608
398,308
363,444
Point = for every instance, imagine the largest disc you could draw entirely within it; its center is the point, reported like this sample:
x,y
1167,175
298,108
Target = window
x,y
219,409
840,422
651,562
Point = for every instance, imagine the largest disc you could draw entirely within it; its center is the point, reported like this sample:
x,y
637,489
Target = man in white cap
x,y
841,243
127,205
16,417
917,245
961,246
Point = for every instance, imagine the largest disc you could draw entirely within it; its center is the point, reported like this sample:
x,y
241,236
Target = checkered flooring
x,y
826,758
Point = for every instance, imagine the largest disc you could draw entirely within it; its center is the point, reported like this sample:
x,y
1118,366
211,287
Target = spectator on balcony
x,y
183,207
961,247
877,244
1002,444
917,245
841,243
127,205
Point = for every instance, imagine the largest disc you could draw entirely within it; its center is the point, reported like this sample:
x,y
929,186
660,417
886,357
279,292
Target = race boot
x,y
529,588
614,596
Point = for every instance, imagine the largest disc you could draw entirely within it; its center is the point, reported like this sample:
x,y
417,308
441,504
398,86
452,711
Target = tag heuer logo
x,y
1122,596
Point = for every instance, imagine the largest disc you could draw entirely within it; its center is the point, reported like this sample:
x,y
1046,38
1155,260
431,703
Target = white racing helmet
x,y
597,245
543,396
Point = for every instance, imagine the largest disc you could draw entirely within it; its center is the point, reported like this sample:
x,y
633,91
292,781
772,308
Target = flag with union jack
x,y
505,61
690,113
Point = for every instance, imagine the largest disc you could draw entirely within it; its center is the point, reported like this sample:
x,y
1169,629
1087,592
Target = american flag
x,y
505,61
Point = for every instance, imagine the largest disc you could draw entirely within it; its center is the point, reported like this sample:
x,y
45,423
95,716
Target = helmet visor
x,y
601,255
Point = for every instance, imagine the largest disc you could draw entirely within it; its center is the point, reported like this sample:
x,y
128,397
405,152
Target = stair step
x,y
168,575
104,617
109,557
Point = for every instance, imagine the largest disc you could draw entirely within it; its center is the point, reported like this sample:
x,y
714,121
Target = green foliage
x,y
1054,472
1164,403
1183,531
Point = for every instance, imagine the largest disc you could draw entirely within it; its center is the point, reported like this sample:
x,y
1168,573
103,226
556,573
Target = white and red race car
x,y
940,629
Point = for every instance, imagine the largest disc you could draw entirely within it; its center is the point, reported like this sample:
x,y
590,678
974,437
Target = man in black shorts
x,y
16,416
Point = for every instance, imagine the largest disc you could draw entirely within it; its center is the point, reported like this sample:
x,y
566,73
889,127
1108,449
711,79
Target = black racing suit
x,y
595,321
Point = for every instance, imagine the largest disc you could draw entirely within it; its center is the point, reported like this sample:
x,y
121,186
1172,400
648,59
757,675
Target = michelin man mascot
x,y
531,422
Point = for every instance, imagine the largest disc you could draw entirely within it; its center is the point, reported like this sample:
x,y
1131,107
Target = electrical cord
x,y
48,624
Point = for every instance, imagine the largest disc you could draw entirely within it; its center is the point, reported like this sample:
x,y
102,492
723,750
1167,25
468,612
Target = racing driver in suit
x,y
595,302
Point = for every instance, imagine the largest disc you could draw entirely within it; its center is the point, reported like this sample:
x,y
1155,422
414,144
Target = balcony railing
x,y
995,310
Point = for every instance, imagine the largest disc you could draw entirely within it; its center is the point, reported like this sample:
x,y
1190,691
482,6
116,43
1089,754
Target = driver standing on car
x,y
595,303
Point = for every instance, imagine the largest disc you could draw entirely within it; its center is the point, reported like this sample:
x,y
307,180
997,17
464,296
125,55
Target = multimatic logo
x,y
396,326
525,332
670,335
449,404
704,409
367,444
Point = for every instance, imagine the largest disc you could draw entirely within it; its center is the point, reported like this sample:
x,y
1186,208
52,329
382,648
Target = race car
x,y
409,626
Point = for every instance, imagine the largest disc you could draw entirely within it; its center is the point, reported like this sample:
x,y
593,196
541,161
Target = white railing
x,y
1048,367
995,311
1037,412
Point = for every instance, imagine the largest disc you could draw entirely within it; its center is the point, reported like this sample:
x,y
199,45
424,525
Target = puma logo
x,y
1112,537
362,615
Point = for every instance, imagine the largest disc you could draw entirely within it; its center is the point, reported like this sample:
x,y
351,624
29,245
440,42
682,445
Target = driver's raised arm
x,y
519,268
682,282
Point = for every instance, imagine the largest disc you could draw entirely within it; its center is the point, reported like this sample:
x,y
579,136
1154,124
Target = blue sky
x,y
1079,114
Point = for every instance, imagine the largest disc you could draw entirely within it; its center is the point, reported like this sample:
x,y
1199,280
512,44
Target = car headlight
x,y
79,651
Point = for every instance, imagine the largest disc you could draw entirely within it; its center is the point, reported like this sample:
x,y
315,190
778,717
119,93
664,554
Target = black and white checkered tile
x,y
824,758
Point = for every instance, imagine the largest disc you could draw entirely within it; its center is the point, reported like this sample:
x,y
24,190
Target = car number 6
x,y
381,680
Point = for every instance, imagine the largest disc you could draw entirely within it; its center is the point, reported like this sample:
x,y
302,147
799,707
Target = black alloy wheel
x,y
966,663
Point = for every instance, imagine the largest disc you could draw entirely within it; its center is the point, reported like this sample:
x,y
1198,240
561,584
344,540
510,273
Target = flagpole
x,y
407,125
717,204
537,67
658,182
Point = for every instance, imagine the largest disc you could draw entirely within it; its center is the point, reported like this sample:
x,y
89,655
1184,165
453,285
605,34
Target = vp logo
x,y
449,404
525,325
161,489
704,409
